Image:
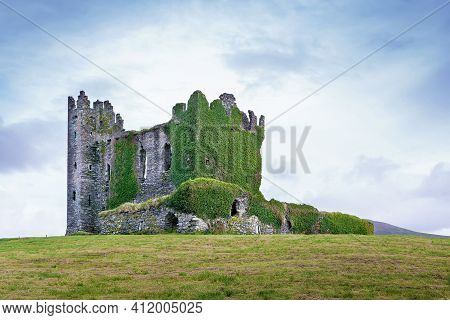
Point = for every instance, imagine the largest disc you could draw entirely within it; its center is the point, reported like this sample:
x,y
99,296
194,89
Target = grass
x,y
225,267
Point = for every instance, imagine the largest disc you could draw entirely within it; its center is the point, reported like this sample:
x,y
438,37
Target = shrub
x,y
268,212
304,218
370,227
341,223
205,198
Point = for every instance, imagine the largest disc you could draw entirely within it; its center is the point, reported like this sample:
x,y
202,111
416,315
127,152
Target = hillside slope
x,y
382,228
174,266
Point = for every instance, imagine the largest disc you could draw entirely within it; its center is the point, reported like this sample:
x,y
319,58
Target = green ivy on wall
x,y
206,142
123,185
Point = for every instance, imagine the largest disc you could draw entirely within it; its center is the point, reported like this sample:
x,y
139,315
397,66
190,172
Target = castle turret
x,y
83,101
82,166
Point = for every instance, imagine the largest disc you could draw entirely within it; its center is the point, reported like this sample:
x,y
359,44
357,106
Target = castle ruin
x,y
107,166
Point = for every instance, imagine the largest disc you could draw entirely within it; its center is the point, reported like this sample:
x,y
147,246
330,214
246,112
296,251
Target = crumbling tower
x,y
90,135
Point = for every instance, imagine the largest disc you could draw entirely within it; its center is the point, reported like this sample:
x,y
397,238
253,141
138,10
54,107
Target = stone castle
x,y
107,166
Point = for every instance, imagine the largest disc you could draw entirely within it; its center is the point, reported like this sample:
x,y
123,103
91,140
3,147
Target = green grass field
x,y
225,267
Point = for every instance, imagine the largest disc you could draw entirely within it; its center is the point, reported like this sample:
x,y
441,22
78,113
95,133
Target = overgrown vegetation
x,y
304,218
123,185
206,142
130,207
104,127
268,212
205,198
308,220
341,223
225,267
209,198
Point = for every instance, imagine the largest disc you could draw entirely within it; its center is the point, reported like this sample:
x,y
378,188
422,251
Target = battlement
x,y
105,120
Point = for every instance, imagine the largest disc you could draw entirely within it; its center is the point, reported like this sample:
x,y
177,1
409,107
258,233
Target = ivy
x,y
341,223
304,218
268,212
206,142
123,185
205,198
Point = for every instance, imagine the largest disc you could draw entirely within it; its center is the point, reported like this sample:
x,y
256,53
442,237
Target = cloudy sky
x,y
378,144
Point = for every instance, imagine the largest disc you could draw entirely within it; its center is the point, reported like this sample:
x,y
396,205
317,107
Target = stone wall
x,y
153,163
161,219
148,221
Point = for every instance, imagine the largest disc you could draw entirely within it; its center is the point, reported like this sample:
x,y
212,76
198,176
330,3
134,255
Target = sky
x,y
378,140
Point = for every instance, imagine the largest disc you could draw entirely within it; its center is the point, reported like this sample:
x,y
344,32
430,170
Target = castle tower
x,y
83,170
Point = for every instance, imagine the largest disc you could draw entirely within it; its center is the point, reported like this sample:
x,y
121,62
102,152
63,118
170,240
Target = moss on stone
x,y
104,127
130,207
103,149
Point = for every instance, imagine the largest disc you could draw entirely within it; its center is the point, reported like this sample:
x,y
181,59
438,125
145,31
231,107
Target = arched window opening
x,y
167,157
89,200
171,221
75,134
108,172
74,195
234,210
143,162
75,165
90,167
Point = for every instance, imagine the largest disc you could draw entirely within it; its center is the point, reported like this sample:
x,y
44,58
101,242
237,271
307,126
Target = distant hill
x,y
382,228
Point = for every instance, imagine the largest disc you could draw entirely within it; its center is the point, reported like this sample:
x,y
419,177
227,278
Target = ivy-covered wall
x,y
123,184
206,142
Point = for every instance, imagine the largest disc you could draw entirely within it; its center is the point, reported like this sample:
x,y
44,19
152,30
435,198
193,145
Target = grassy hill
x,y
225,267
